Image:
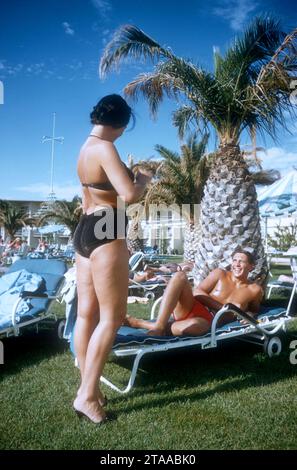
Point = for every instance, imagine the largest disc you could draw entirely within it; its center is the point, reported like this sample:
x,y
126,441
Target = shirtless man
x,y
194,310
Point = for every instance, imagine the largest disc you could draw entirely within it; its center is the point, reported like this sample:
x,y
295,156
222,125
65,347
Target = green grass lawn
x,y
233,397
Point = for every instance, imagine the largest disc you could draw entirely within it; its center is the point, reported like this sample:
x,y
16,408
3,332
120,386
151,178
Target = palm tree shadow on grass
x,y
31,348
230,367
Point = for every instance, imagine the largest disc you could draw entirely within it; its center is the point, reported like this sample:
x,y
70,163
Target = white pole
x,y
266,234
52,154
52,139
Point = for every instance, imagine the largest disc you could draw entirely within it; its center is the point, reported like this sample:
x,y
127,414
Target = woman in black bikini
x,y
101,249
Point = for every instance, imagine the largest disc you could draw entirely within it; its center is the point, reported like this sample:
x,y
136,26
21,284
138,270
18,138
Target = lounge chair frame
x,y
285,285
149,289
14,330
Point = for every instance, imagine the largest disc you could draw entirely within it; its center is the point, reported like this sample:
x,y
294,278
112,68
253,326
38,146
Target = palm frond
x,y
249,89
282,61
152,87
184,117
167,154
265,177
129,41
251,50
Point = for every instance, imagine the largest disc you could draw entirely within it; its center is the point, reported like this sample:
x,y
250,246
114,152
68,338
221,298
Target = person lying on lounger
x,y
170,268
194,310
140,276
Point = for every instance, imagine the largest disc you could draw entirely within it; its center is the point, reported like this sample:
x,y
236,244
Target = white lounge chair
x,y
51,274
283,285
266,331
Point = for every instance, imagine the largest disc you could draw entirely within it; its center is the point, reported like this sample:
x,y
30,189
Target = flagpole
x,y
52,139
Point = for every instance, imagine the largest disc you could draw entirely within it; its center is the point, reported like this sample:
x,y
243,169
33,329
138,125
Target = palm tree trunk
x,y
191,240
135,236
229,216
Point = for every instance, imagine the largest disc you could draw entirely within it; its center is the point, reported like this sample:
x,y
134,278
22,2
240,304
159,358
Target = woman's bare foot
x,y
102,399
89,409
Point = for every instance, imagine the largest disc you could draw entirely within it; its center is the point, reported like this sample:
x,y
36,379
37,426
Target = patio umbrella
x,y
279,199
53,228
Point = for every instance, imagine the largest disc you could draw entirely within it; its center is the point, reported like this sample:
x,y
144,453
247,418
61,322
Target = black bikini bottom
x,y
98,228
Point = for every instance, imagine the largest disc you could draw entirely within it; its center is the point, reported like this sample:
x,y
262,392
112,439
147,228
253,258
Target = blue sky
x,y
49,55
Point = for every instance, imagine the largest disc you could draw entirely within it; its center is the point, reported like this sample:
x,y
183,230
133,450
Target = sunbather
x,y
170,268
140,276
144,276
193,311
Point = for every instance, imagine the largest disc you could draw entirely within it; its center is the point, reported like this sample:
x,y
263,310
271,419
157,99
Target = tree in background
x,y
66,212
180,180
284,237
13,218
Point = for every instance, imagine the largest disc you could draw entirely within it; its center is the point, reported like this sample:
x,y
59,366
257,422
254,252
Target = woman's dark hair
x,y
111,110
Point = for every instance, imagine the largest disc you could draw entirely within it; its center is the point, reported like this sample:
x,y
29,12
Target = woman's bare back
x,y
90,170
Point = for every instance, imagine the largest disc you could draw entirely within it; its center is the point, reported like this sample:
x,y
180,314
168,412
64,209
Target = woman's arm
x,y
117,174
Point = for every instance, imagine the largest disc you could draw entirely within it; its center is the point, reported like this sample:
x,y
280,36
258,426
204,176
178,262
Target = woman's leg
x,y
87,314
109,266
87,309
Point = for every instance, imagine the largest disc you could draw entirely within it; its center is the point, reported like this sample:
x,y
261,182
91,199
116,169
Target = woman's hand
x,y
143,177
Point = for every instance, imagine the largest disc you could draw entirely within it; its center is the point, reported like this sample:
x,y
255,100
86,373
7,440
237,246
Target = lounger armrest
x,y
35,295
241,313
227,308
28,295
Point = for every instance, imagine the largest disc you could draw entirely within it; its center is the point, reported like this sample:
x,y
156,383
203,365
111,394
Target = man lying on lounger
x,y
194,310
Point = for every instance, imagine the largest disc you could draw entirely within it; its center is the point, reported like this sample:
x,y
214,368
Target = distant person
x,y
194,310
2,248
144,276
102,254
25,248
41,246
140,276
14,245
170,268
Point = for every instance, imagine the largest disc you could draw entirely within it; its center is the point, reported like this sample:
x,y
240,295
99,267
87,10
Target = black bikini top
x,y
107,186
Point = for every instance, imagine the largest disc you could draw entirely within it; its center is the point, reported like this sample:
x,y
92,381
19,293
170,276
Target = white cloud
x,y
103,7
236,12
279,159
67,28
50,69
41,190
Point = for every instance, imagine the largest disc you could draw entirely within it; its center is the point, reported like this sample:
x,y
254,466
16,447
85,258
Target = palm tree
x,y
13,218
135,240
65,212
180,185
249,89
